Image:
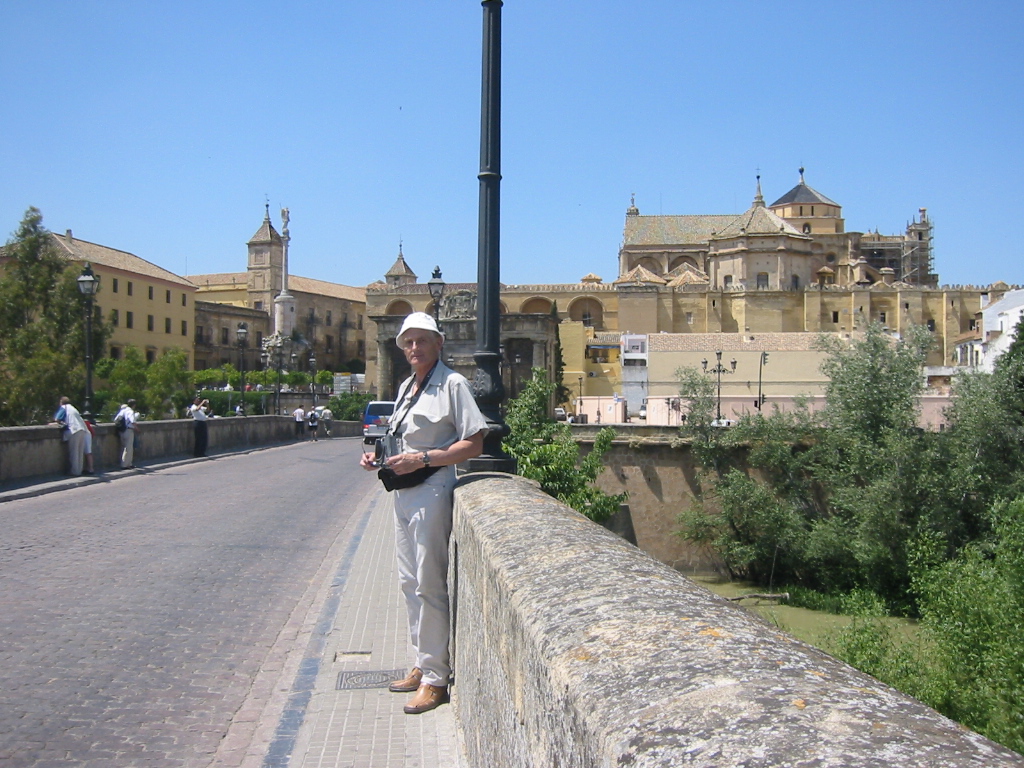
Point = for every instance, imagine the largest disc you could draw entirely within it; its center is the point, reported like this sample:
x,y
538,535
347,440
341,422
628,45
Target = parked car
x,y
560,414
376,417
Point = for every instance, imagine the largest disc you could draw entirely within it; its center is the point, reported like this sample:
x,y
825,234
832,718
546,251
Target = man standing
x,y
314,423
300,421
327,416
128,417
437,425
71,420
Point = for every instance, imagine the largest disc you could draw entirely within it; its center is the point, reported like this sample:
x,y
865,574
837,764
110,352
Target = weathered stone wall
x,y
27,452
575,649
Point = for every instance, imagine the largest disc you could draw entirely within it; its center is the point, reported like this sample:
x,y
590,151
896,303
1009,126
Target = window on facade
x,y
807,229
184,299
150,322
360,328
259,339
114,288
362,349
835,317
812,210
762,280
327,320
931,325
115,353
727,281
257,305
794,281
115,318
184,327
150,355
167,325
199,334
689,318
329,343
168,295
129,319
588,319
881,317
130,286
224,336
972,325
151,293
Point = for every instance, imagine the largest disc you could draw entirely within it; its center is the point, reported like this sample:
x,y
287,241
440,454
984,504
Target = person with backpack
x,y
314,423
124,422
75,431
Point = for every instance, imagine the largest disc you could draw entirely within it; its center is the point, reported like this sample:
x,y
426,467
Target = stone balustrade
x,y
574,649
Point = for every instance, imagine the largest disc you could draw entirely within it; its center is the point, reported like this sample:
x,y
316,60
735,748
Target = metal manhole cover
x,y
350,681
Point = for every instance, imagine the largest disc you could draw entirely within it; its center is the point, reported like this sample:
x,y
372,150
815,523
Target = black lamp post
x,y
718,369
242,332
760,366
487,386
88,284
312,373
436,287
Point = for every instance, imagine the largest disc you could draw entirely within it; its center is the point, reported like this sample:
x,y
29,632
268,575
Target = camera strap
x,y
394,426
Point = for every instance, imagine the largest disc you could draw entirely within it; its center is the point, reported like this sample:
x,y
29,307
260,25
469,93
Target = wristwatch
x,y
425,458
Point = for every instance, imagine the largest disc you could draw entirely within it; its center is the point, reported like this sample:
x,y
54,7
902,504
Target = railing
x,y
573,648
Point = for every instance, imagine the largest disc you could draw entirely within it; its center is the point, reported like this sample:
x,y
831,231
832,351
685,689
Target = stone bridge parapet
x,y
575,649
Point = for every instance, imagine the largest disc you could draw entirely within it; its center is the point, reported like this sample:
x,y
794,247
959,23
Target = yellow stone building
x,y
147,306
786,268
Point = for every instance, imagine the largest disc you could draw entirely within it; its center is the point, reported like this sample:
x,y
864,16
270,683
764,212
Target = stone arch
x,y
651,263
680,260
399,308
588,311
537,305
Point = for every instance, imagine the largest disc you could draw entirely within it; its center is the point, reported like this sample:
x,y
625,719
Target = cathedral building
x,y
786,268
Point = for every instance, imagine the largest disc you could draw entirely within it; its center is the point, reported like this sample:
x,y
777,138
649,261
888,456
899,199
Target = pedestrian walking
x,y
436,425
126,423
199,411
314,423
327,417
74,433
300,421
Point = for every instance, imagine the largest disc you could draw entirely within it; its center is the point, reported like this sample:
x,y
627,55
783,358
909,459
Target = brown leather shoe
x,y
427,698
410,683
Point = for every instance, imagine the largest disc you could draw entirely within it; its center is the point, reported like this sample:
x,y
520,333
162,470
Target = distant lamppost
x,y
312,373
436,287
718,369
760,366
88,284
242,332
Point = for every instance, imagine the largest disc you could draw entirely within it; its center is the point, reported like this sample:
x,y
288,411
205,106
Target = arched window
x,y
588,311
807,229
762,281
399,308
536,306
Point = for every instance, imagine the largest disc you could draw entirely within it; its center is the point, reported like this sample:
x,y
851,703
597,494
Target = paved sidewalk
x,y
351,719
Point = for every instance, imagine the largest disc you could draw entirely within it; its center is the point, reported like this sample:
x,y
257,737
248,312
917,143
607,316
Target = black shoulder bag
x,y
388,446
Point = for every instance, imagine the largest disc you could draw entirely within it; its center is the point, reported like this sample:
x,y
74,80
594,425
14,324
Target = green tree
x,y
127,380
169,388
42,327
545,451
349,406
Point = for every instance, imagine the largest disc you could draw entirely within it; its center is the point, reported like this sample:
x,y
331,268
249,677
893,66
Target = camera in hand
x,y
383,448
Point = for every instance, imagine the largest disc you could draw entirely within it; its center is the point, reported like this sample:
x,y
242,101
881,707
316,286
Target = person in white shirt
x,y
75,433
128,415
300,421
199,413
436,425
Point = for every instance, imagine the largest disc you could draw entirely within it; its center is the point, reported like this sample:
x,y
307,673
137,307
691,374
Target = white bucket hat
x,y
420,320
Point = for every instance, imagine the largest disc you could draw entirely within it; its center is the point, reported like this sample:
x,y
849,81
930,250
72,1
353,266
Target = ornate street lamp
x,y
88,284
436,287
718,369
760,366
242,332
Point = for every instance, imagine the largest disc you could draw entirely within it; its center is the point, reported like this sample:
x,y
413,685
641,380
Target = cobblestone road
x,y
136,614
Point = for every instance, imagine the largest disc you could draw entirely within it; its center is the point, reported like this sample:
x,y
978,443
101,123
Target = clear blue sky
x,y
162,128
